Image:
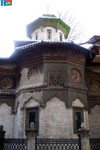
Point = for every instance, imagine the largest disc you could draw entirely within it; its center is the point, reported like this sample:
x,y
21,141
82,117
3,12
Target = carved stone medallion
x,y
76,75
32,73
6,83
55,79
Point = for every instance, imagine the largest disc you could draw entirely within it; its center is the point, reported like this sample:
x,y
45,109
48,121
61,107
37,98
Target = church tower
x,y
48,28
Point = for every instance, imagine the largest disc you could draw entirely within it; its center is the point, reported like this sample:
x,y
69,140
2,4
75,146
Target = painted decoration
x,y
32,73
76,75
94,85
6,83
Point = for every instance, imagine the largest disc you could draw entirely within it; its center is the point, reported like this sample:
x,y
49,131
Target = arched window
x,y
77,118
32,116
60,36
36,36
78,114
49,34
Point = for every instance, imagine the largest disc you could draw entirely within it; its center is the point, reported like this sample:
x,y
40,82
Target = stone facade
x,y
6,119
53,85
94,120
55,120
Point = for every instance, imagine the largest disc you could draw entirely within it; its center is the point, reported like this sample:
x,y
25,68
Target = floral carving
x,y
55,79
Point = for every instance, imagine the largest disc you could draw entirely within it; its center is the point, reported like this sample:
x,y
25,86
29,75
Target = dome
x,y
48,27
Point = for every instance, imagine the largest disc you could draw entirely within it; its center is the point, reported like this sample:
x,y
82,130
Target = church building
x,y
50,83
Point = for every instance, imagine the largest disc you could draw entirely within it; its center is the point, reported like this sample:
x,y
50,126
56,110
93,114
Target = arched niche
x,y
54,119
31,102
5,109
62,96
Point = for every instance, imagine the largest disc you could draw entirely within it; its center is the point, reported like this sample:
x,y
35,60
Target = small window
x,y
36,36
32,116
60,36
49,34
77,118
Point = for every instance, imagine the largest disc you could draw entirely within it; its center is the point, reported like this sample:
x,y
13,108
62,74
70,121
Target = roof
x,y
36,44
94,39
43,45
22,43
52,45
48,20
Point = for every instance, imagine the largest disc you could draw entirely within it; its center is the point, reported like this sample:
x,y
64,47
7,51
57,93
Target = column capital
x,y
31,133
83,132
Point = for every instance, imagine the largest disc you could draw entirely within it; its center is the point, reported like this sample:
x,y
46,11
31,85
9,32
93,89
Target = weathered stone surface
x,y
6,119
94,122
55,120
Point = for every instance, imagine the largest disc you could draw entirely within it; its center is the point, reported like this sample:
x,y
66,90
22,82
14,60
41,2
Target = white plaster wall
x,y
34,81
42,34
55,120
18,122
94,122
6,119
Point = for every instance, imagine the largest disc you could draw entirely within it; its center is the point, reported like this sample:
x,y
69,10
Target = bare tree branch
x,y
76,32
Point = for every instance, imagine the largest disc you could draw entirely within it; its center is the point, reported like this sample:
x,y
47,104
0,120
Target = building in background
x,y
51,83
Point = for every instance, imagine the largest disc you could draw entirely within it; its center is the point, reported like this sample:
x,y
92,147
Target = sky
x,y
13,19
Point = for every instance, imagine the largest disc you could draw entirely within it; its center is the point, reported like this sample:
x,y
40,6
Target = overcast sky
x,y
13,19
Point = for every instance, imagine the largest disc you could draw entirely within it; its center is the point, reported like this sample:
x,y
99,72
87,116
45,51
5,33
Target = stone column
x,y
2,137
31,137
84,139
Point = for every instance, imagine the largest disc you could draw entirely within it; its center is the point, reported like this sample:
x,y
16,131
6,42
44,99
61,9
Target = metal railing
x,y
94,143
49,144
57,144
15,144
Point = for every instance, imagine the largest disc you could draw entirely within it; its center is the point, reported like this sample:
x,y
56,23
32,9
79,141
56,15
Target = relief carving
x,y
55,79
